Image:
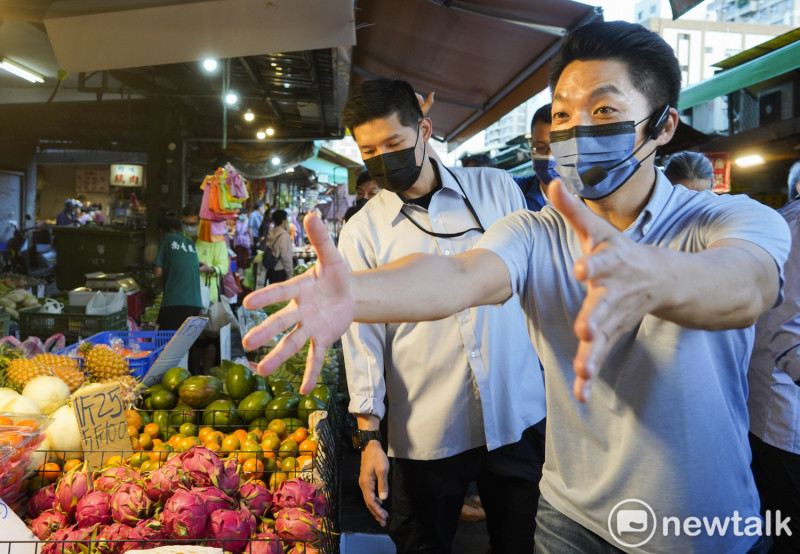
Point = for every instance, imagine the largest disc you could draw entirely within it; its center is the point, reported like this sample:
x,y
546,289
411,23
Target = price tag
x,y
40,291
101,418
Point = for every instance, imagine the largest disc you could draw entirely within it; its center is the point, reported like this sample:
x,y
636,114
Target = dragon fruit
x,y
202,465
73,486
228,478
130,504
110,539
229,529
148,533
256,498
164,481
93,508
70,540
264,543
296,493
111,478
215,499
304,548
294,524
42,500
48,522
185,515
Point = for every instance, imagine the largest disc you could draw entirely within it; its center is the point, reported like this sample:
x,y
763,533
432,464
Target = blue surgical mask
x,y
544,167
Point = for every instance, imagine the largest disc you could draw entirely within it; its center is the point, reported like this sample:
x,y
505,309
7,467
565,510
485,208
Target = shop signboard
x,y
127,175
721,162
91,180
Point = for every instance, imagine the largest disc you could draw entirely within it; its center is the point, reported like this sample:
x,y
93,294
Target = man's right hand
x,y
374,478
321,308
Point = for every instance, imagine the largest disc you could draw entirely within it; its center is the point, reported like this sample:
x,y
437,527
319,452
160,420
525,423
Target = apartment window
x,y
683,36
652,10
709,50
639,16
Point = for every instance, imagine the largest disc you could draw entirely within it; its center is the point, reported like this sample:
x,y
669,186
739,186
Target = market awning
x,y
330,167
483,58
764,67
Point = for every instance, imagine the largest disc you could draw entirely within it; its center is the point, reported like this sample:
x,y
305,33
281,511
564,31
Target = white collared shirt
x,y
468,380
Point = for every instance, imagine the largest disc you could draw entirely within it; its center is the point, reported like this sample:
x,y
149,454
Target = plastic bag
x,y
100,305
205,294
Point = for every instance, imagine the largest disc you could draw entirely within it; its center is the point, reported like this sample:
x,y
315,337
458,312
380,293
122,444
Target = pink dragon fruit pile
x,y
195,498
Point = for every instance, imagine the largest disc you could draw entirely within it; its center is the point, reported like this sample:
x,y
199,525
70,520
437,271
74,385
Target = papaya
x,y
183,414
239,382
279,386
221,415
322,392
200,391
253,405
258,423
260,383
173,378
282,407
306,405
219,372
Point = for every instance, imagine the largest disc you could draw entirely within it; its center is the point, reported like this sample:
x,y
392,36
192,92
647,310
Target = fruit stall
x,y
93,460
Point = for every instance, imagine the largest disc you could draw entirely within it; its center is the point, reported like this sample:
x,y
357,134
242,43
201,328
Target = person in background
x,y
477,160
254,223
280,243
67,215
242,241
774,401
690,169
87,215
177,266
366,188
640,298
534,186
449,421
99,218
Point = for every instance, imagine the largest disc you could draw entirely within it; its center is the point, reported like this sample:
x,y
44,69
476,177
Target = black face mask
x,y
396,171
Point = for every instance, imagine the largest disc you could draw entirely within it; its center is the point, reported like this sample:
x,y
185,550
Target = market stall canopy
x,y
680,7
482,58
753,66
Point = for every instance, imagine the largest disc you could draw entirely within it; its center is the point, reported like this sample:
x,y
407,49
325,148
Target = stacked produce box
x,y
230,459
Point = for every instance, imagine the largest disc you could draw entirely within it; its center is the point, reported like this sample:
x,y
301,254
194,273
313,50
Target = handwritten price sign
x,y
101,418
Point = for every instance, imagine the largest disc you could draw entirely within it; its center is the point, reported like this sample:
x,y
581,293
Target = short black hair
x,y
543,115
363,179
258,205
379,99
687,166
167,223
477,160
652,66
191,210
278,217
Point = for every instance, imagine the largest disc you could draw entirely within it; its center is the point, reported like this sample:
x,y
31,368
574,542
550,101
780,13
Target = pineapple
x,y
131,390
103,364
22,370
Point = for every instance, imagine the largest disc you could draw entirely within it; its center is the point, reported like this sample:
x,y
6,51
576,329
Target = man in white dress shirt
x,y
463,392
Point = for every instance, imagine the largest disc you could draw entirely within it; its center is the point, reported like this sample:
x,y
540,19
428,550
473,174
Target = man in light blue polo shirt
x,y
638,292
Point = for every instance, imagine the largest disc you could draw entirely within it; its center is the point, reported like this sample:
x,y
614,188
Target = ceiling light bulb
x,y
21,71
231,98
210,64
270,131
290,170
249,115
747,161
286,85
273,64
261,135
278,68
276,160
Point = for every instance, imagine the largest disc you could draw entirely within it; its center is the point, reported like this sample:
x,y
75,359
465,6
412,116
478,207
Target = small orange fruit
x,y
300,434
71,464
253,468
50,471
152,429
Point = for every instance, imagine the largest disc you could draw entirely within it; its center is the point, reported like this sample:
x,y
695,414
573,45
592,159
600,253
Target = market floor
x,y
471,537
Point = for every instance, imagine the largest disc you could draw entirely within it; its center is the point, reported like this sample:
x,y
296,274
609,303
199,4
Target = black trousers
x,y
427,495
777,475
170,318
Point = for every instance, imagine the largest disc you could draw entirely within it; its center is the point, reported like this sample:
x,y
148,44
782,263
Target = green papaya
x,y
221,415
239,382
282,407
279,386
260,383
182,414
322,392
307,405
258,423
173,378
219,372
200,391
253,405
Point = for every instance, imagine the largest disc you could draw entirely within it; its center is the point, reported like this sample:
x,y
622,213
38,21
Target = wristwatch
x,y
361,438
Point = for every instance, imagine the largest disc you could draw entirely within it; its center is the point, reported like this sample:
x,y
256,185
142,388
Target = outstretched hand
x,y
618,274
320,308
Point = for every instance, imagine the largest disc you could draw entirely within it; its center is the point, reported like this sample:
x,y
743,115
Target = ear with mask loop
x,y
594,175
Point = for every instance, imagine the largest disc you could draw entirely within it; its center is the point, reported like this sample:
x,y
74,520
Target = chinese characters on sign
x,y
91,180
721,161
127,175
